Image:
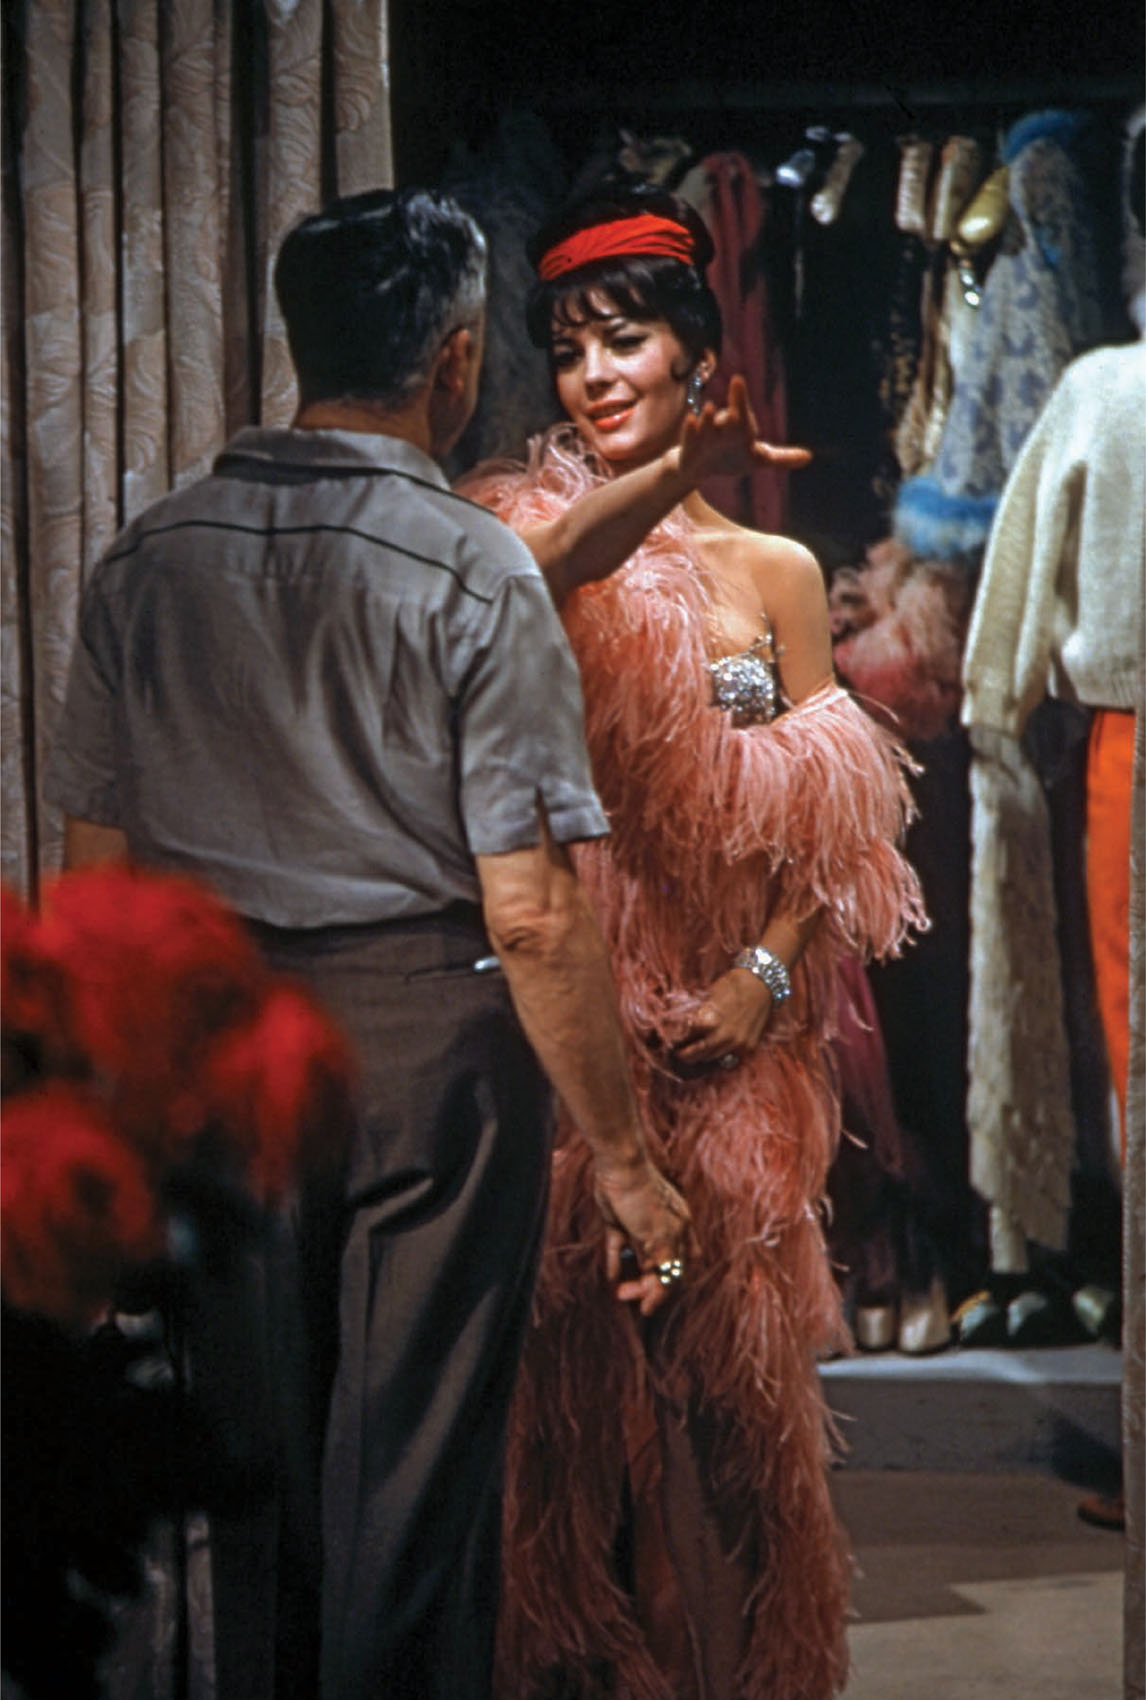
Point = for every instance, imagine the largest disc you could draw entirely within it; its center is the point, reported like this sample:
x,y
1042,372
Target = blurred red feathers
x,y
142,1030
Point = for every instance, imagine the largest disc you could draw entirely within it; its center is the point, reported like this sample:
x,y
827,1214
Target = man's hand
x,y
725,440
644,1212
554,959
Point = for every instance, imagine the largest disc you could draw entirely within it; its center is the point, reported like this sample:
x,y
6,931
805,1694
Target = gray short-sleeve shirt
x,y
324,683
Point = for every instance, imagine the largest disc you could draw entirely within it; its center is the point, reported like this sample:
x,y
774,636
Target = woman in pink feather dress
x,y
669,1533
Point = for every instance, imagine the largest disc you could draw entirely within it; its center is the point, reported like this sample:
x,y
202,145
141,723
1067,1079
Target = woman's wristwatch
x,y
768,969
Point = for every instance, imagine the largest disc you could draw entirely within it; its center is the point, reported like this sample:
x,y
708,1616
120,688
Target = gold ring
x,y
667,1273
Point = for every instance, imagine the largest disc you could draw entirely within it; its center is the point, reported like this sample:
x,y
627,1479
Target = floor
x,y
980,1587
976,1578
1055,1408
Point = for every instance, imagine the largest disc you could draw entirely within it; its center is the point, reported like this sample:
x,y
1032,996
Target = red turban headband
x,y
645,234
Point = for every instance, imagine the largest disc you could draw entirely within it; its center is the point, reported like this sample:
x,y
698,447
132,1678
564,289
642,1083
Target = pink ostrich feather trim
x,y
722,821
712,828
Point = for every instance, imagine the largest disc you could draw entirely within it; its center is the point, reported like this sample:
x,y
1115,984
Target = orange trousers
x,y
1109,774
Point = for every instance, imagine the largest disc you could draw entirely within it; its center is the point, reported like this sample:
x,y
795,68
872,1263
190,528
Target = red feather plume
x,y
148,995
157,966
75,1201
281,1085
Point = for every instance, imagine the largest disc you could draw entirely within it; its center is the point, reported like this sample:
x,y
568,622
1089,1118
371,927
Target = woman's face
x,y
622,382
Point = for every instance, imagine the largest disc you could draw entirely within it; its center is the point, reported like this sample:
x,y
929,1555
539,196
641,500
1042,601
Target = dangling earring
x,y
694,394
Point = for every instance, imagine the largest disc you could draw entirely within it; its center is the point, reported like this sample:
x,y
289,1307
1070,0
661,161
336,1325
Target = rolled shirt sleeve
x,y
324,695
521,734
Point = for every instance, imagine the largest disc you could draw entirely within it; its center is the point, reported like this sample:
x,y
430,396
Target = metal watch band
x,y
768,969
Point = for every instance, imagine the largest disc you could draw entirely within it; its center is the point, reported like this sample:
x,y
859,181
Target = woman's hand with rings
x,y
724,440
729,1024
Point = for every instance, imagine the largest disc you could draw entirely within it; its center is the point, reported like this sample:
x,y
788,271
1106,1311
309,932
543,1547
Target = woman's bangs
x,y
611,292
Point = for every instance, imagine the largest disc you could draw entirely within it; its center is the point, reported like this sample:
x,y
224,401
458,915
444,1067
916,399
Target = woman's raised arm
x,y
597,534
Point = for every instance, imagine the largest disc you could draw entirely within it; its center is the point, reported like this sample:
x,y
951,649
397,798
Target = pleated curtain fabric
x,y
155,152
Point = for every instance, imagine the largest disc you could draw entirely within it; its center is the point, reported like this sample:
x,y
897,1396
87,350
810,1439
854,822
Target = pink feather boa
x,y
712,827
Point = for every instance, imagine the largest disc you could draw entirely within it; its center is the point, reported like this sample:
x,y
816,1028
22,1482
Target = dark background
x,y
748,78
457,65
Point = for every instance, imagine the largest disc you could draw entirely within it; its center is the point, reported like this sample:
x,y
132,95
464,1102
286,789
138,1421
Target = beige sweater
x,y
1059,610
1059,607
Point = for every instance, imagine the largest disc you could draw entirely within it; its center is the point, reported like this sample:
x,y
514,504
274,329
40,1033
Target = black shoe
x,y
981,1321
1042,1319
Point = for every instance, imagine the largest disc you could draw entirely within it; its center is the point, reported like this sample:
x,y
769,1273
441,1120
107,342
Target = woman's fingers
x,y
707,1049
694,1046
738,422
697,432
786,454
736,405
704,1023
741,408
725,439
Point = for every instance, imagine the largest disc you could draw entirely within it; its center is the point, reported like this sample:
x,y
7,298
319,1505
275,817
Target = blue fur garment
x,y
1053,125
942,525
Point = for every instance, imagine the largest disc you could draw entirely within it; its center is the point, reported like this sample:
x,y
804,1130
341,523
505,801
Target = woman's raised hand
x,y
725,440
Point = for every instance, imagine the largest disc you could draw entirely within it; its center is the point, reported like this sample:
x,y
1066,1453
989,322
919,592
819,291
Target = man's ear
x,y
455,357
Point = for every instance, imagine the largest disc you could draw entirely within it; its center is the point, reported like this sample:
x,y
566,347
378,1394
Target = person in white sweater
x,y
1058,612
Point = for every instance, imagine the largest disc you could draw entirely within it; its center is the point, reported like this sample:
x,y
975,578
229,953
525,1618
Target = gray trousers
x,y
438,1228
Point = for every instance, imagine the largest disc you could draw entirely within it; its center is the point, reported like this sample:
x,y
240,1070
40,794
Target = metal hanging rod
x,y
689,95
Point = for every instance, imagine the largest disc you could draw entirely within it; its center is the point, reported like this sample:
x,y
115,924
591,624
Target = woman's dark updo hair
x,y
641,286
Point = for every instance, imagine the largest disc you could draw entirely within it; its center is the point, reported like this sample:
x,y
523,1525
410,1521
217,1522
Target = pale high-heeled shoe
x,y
925,1321
875,1326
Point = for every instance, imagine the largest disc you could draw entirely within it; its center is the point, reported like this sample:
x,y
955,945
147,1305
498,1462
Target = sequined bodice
x,y
747,684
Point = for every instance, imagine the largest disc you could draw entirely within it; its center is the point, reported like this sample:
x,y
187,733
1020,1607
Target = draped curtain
x,y
154,153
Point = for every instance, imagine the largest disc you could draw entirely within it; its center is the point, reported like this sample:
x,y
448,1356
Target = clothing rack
x,y
687,96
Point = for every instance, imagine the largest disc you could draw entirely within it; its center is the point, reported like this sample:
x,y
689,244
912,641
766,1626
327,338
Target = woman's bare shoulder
x,y
781,566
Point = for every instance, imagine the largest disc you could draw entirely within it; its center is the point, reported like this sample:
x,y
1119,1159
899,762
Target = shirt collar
x,y
345,451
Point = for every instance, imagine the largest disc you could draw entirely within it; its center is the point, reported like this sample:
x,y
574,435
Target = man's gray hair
x,y
371,287
464,310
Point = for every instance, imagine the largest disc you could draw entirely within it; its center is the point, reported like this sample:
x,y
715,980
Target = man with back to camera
x,y
340,694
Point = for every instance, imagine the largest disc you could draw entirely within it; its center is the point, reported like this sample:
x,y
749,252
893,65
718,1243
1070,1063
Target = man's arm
x,y
86,845
559,977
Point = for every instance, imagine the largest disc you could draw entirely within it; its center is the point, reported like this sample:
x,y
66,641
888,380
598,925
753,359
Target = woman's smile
x,y
622,383
612,416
